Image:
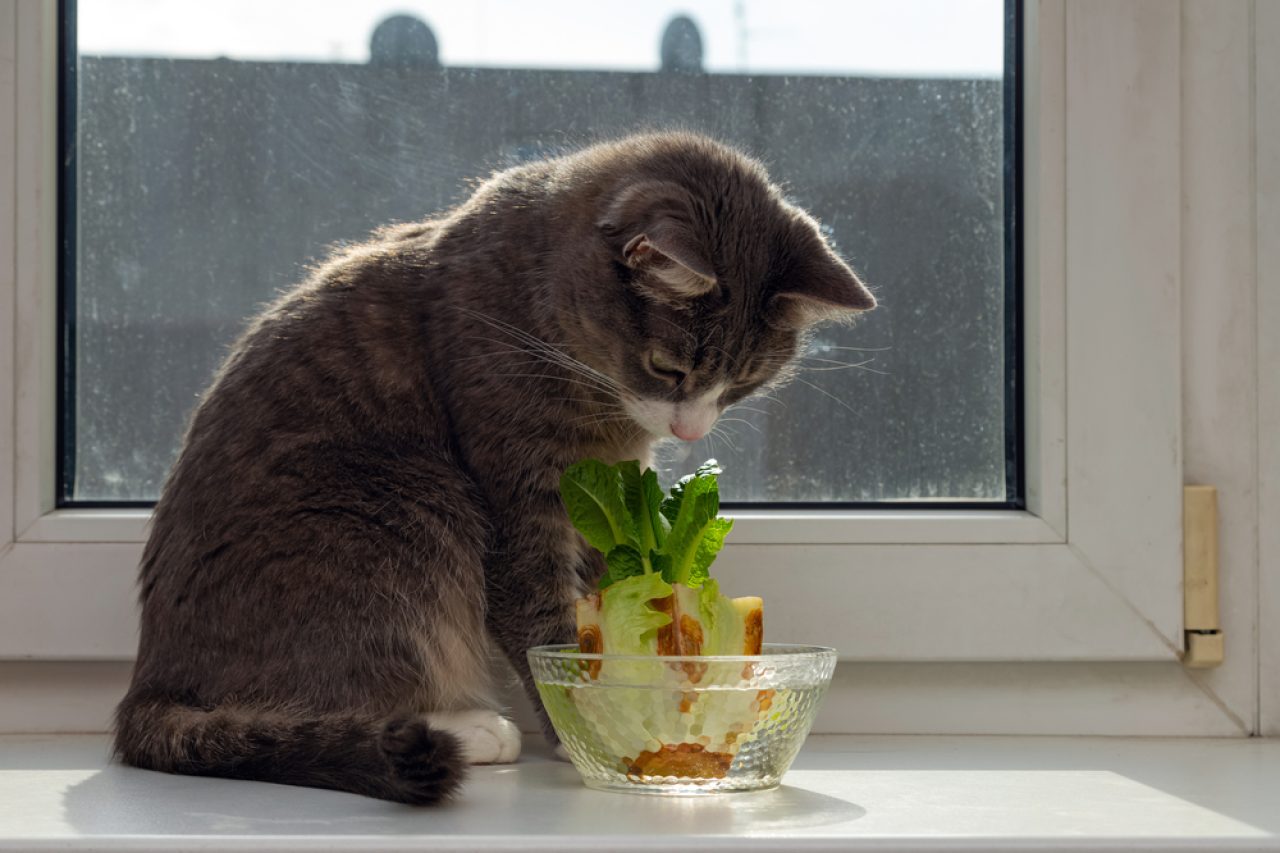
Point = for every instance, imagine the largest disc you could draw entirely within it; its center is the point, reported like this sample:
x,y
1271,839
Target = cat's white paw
x,y
561,753
487,737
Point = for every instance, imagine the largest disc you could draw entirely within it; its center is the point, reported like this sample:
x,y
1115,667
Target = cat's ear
x,y
648,225
819,286
672,258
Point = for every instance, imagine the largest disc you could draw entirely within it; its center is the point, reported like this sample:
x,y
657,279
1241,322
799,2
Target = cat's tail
x,y
400,759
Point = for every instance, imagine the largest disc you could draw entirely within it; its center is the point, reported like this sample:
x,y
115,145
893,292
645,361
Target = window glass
x,y
219,148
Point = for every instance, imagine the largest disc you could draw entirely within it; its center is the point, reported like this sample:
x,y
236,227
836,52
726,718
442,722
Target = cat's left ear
x,y
649,225
819,286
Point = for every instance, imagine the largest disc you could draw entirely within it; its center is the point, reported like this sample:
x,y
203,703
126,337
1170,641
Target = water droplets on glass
x,y
219,152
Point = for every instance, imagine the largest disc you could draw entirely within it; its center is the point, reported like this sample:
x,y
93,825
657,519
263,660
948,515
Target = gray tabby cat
x,y
368,494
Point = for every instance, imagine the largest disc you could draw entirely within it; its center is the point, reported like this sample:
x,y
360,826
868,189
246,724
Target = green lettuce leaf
x,y
643,498
661,563
722,628
621,512
622,562
628,623
671,505
710,546
593,494
695,523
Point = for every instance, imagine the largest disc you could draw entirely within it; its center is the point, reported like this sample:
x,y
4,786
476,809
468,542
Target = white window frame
x,y
1102,532
1267,351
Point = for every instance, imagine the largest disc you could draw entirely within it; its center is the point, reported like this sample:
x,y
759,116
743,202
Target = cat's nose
x,y
685,432
690,420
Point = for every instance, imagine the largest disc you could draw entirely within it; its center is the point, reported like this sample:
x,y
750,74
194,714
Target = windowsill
x,y
873,793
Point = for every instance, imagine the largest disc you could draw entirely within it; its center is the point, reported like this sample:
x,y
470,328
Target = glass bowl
x,y
682,725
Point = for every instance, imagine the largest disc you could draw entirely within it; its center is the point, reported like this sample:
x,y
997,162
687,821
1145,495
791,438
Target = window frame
x,y
1010,328
965,585
1266,268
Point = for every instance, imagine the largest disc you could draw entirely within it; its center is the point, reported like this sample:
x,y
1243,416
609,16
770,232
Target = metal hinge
x,y
1204,640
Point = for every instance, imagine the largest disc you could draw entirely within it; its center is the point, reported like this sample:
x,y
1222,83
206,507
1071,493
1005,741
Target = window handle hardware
x,y
1204,641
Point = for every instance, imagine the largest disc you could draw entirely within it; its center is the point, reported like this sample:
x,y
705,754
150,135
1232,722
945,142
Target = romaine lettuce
x,y
656,595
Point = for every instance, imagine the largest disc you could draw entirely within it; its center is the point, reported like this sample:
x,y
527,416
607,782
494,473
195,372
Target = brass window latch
x,y
1203,630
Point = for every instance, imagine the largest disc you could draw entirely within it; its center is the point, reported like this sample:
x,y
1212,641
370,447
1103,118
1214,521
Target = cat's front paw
x,y
486,737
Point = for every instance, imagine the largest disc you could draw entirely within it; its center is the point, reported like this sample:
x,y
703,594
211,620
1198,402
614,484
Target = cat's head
x,y
702,281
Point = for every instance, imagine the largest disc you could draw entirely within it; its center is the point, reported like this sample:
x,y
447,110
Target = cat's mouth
x,y
687,420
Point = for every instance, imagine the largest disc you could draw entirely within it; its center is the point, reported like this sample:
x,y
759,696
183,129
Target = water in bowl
x,y
681,727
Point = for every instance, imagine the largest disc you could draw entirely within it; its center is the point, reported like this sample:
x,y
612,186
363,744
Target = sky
x,y
914,38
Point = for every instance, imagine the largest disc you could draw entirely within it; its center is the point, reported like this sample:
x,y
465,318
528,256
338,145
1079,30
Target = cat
x,y
366,501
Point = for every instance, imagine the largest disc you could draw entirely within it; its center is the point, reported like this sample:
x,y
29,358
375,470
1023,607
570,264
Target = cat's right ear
x,y
647,225
817,286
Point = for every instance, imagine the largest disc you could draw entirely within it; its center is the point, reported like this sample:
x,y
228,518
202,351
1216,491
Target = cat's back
x,y
329,386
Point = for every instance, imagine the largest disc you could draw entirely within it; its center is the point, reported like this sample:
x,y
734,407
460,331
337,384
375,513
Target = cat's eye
x,y
665,367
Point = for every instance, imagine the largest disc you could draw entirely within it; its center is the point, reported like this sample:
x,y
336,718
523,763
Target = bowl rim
x,y
782,651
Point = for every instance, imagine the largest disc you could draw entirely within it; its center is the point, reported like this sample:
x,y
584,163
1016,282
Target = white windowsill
x,y
867,793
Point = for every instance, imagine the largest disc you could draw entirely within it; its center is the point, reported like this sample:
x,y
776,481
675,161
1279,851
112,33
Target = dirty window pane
x,y
221,147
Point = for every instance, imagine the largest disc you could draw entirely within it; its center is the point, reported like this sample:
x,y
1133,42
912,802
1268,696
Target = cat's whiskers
x,y
711,443
770,396
733,361
842,365
572,366
740,406
793,367
825,347
543,358
593,402
508,349
796,365
559,378
740,421
525,337
828,395
596,420
593,406
718,431
593,410
536,357
543,349
607,410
